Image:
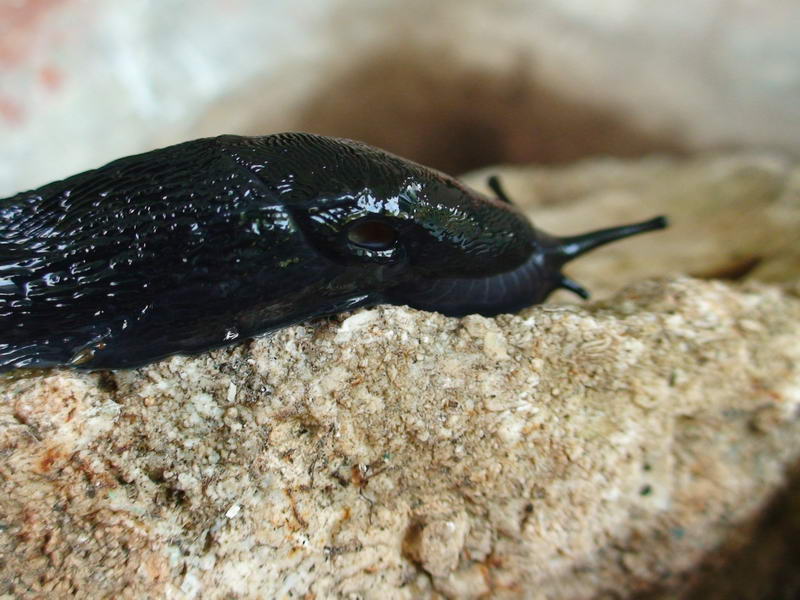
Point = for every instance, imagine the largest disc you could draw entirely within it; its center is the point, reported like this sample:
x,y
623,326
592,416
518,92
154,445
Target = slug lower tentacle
x,y
195,246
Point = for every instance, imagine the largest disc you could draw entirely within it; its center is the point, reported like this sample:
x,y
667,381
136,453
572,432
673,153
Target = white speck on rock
x,y
354,323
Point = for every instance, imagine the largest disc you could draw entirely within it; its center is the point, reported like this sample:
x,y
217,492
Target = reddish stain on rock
x,y
11,111
51,78
49,458
19,22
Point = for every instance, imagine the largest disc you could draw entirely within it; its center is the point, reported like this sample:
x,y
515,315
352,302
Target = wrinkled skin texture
x,y
197,245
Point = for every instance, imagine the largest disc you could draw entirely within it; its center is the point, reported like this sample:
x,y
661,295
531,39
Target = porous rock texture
x,y
570,451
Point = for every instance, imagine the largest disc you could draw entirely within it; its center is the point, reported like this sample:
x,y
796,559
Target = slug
x,y
198,245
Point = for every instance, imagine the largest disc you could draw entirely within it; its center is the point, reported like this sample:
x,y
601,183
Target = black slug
x,y
194,246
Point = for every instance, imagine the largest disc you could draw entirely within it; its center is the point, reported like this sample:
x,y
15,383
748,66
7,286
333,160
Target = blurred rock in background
x,y
456,84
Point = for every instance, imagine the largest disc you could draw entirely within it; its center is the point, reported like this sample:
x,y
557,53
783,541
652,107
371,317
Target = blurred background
x,y
457,84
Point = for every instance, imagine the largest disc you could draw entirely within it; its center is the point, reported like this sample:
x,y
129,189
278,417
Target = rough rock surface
x,y
565,452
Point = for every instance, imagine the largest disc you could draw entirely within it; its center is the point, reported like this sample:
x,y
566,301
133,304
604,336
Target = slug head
x,y
422,227
411,235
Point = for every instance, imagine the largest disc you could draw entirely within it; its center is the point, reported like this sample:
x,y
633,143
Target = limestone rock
x,y
568,451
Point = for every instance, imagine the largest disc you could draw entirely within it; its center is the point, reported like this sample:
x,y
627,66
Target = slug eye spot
x,y
372,235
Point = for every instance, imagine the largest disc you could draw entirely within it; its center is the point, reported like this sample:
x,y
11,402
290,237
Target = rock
x,y
510,82
568,451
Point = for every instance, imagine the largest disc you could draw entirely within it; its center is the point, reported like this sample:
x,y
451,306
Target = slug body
x,y
194,246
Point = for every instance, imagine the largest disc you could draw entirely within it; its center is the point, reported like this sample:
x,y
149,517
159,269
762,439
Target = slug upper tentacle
x,y
201,244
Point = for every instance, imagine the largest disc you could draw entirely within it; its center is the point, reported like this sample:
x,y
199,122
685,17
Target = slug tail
x,y
569,248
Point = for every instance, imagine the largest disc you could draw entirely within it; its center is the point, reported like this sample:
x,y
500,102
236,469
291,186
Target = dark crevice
x,y
734,271
433,108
